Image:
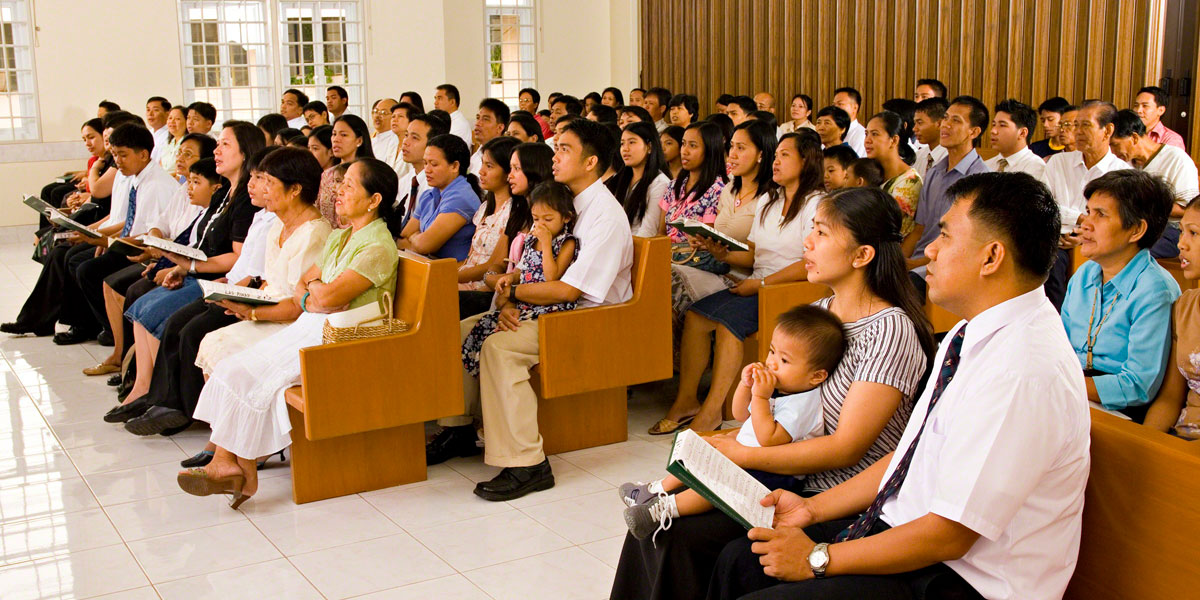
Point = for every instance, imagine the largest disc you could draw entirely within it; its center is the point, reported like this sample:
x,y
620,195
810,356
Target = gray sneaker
x,y
648,519
634,493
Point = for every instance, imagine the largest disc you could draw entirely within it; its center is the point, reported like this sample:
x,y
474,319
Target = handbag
x,y
368,321
684,254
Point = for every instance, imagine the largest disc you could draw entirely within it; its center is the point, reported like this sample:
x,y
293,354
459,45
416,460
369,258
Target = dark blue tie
x,y
867,520
132,210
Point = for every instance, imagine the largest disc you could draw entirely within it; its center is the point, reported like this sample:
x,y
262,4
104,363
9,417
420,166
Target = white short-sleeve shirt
x,y
856,135
1178,169
648,226
604,263
799,414
1021,161
777,245
460,126
1067,175
252,261
924,156
1005,452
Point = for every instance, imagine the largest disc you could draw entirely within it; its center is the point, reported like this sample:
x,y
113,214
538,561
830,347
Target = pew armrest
x,y
776,299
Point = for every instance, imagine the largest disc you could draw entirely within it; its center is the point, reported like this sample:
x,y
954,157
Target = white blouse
x,y
286,264
777,245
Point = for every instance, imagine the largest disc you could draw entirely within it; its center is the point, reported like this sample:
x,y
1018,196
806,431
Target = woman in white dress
x,y
243,401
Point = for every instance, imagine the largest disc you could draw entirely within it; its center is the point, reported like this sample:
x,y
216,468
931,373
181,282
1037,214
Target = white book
x,y
216,291
173,248
41,206
65,221
719,480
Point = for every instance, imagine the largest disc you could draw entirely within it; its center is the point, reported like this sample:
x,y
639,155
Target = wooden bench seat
x,y
589,357
358,416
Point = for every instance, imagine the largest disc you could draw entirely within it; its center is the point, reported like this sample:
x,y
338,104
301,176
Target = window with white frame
x,y
322,45
18,97
510,48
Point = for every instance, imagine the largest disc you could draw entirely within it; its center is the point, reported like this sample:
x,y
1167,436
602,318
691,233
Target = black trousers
x,y
75,309
1167,246
55,296
177,380
473,303
738,574
91,273
679,564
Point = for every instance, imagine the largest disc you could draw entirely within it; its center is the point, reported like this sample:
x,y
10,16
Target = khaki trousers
x,y
502,390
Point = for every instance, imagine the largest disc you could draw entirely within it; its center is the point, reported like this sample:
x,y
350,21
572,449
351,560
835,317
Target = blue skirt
x,y
738,314
154,308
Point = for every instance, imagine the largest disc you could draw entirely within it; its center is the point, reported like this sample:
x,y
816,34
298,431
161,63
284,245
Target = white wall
x,y
128,50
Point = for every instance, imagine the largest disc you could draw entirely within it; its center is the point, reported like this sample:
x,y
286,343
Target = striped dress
x,y
881,348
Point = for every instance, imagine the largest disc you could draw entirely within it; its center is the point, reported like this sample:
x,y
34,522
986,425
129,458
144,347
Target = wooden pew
x,y
1140,515
358,417
941,319
589,357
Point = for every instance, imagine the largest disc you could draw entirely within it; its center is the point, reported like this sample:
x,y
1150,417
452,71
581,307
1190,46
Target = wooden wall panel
x,y
991,49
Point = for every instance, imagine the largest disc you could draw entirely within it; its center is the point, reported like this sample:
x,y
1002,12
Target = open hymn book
x,y
696,228
173,248
215,291
717,479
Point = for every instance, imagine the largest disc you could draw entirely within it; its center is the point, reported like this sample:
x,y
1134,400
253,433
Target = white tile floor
x,y
90,511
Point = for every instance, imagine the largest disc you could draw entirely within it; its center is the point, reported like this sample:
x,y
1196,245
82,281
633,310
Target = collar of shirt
x,y
1157,132
992,320
1124,280
584,200
1108,162
963,165
455,187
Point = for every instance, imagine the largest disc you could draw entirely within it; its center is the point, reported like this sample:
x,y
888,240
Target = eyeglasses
x,y
382,113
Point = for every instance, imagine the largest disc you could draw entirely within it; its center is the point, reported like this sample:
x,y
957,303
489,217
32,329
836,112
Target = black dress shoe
x,y
125,412
199,459
451,442
156,419
105,338
514,482
72,336
20,329
114,380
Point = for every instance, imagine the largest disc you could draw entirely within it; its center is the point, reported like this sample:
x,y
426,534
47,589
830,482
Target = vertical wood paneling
x,y
991,49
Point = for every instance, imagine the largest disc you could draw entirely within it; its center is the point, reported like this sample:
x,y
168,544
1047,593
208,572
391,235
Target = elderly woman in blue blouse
x,y
1118,306
442,223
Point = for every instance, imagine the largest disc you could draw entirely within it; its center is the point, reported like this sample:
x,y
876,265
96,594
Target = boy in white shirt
x,y
1012,124
780,402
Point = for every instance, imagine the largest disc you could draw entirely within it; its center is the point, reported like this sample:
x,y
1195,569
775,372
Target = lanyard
x,y
1091,339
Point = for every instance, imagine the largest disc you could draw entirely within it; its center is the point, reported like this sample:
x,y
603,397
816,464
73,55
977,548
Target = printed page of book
x,y
730,483
172,247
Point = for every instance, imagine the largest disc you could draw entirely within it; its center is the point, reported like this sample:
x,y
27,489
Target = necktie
x,y
1001,165
410,203
132,211
867,520
929,162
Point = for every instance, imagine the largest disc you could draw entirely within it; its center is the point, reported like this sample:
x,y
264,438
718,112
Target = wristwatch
x,y
512,293
818,560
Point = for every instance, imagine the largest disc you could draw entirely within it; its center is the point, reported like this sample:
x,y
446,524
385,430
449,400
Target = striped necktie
x,y
867,520
125,231
1001,165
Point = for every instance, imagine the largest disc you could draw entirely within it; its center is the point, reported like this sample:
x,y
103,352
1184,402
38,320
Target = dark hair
x,y
765,116
456,150
595,140
341,91
662,94
558,197
934,108
206,168
723,121
1106,112
204,109
250,141
637,89
1160,95
1128,123
134,137
894,125
1069,108
1022,114
528,123
567,118
537,163
324,136
379,178
604,114
272,123
571,104
288,133
614,138
905,109
207,144
553,96
497,108
1057,104
804,98
746,103
639,112
821,331
869,170
712,168
359,127
316,106
1020,208
537,98
301,97
873,218
593,96
108,106
978,116
258,157
1140,196
95,123
843,154
939,88
294,166
410,110
117,118
840,117
689,103
616,92
501,149
724,99
809,149
163,102
451,92
635,201
762,137
413,99
437,124
853,93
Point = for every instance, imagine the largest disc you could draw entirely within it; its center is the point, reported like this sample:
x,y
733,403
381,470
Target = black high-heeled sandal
x,y
198,459
282,458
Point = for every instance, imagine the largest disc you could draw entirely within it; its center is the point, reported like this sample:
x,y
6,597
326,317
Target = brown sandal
x,y
196,482
667,426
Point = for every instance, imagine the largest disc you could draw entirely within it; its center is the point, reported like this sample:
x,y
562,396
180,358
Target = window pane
x,y
508,33
18,102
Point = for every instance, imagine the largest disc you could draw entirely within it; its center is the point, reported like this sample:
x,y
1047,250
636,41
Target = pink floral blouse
x,y
487,234
702,208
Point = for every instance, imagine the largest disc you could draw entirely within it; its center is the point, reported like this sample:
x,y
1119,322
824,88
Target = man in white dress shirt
x,y
1012,125
157,108
291,106
983,496
490,122
446,98
927,127
421,128
1131,143
336,100
655,102
200,118
401,113
383,140
848,99
600,275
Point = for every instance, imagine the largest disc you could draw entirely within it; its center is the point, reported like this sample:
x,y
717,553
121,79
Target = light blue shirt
x,y
934,199
458,198
1134,342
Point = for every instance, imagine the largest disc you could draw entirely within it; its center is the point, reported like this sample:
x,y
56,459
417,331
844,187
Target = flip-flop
x,y
666,426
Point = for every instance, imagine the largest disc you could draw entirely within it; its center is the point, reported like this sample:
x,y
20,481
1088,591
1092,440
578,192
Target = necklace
x,y
1091,339
737,201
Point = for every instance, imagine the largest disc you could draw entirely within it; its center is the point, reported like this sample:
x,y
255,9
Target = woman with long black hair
x,y
642,181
